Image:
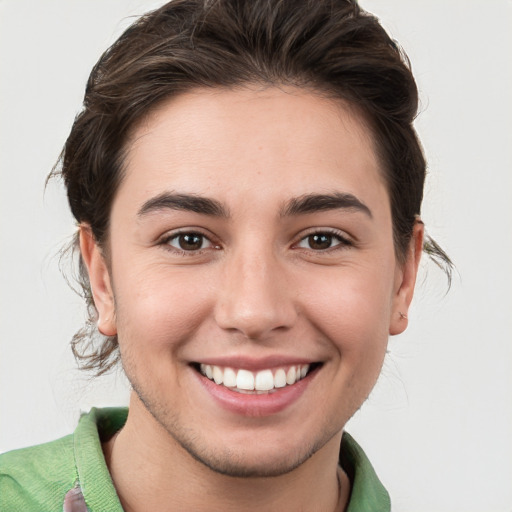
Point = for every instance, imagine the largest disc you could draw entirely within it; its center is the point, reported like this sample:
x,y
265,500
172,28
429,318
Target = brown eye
x,y
189,242
320,241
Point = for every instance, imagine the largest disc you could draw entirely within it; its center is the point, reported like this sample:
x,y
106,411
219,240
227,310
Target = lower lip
x,y
256,405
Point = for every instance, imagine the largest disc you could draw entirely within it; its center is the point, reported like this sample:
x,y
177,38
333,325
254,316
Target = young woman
x,y
248,184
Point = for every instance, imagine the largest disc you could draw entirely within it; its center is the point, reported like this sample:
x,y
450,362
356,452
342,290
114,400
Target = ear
x,y
405,280
99,279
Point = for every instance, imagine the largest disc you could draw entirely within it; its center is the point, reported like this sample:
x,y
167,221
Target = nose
x,y
255,297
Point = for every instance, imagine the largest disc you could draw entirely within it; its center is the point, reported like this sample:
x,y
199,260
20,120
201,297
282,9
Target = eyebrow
x,y
308,203
185,202
311,203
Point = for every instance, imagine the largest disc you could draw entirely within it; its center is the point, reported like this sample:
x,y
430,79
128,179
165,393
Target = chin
x,y
257,453
240,464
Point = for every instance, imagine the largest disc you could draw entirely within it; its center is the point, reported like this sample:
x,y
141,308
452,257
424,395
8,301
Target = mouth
x,y
265,381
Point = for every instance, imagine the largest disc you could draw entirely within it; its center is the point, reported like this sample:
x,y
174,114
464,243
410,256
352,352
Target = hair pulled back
x,y
329,46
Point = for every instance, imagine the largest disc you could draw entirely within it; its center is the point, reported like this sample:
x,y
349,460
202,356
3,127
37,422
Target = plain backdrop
x,y
438,427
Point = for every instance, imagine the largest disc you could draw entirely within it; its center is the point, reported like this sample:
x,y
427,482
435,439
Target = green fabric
x,y
38,478
367,493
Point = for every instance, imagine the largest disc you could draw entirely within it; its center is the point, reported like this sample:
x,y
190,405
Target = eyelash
x,y
166,242
343,242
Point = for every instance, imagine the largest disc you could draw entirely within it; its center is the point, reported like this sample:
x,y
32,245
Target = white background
x,y
438,427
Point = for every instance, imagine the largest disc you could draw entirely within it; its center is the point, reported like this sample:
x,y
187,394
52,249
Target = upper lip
x,y
255,363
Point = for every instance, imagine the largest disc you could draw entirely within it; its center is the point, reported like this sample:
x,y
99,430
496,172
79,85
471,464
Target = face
x,y
252,278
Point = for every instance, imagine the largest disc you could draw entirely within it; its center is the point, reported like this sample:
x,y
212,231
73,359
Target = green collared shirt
x,y
63,474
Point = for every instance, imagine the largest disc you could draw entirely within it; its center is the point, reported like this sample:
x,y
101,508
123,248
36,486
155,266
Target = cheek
x,y
352,301
352,313
158,311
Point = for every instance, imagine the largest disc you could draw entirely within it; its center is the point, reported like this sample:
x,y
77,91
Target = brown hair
x,y
330,46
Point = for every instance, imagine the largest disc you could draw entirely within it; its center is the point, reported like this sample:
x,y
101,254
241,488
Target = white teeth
x,y
218,375
264,381
229,378
291,375
280,378
245,380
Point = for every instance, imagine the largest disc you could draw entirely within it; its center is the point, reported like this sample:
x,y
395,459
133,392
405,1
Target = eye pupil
x,y
190,241
320,241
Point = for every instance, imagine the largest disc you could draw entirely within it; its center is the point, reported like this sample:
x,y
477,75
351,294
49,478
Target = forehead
x,y
242,141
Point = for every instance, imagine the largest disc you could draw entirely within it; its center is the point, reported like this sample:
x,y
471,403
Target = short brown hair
x,y
330,46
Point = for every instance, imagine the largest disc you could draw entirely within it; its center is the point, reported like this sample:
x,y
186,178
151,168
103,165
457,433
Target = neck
x,y
151,471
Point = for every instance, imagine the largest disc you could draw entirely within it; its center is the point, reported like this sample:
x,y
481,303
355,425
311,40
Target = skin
x,y
257,287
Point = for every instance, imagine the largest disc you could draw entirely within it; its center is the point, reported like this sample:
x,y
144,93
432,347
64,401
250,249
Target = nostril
x,y
254,301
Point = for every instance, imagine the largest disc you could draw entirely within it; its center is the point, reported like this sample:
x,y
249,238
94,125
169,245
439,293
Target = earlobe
x,y
406,280
99,279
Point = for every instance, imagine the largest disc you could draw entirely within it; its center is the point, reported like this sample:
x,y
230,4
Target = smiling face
x,y
252,278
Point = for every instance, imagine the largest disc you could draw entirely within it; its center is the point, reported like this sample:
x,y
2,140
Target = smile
x,y
263,381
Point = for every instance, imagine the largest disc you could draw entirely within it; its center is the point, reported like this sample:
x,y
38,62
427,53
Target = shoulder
x,y
52,475
37,478
367,492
